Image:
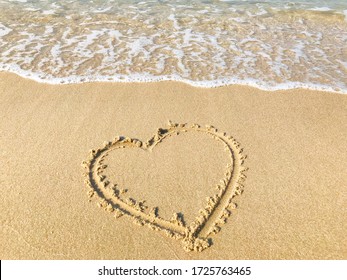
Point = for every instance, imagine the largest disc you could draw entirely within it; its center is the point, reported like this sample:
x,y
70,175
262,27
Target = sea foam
x,y
204,43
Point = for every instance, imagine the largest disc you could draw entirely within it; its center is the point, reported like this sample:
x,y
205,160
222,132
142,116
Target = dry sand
x,y
293,204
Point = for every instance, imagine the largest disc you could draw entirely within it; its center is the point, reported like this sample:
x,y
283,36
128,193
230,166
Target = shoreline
x,y
199,84
293,202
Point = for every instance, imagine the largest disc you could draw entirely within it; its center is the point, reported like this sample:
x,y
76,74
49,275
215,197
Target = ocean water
x,y
268,44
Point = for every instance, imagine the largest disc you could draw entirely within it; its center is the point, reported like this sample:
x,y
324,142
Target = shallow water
x,y
268,44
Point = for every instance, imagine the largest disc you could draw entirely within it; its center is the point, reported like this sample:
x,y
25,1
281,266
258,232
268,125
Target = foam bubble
x,y
4,30
48,12
321,9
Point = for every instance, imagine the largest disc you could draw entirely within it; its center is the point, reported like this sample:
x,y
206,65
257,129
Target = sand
x,y
265,179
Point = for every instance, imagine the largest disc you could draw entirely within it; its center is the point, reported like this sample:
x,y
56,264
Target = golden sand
x,y
155,182
212,214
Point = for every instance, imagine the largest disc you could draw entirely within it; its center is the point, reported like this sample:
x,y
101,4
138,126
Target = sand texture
x,y
170,171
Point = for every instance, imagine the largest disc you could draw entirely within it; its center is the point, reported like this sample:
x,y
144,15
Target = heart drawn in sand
x,y
196,235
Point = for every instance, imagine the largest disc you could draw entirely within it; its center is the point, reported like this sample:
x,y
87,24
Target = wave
x,y
203,43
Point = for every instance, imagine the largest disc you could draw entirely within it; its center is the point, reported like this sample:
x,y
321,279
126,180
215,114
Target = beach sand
x,y
293,204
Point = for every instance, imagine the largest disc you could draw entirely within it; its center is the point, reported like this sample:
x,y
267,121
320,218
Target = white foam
x,y
138,45
321,9
4,30
31,9
147,78
174,20
48,12
55,5
205,44
49,30
343,63
103,10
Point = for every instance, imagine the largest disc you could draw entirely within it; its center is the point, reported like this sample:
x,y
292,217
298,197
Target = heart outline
x,y
196,236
